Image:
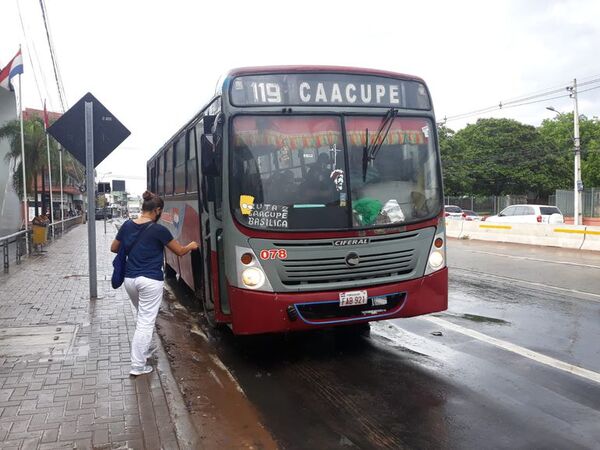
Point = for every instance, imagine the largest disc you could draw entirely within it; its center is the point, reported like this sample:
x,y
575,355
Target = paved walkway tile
x,y
64,379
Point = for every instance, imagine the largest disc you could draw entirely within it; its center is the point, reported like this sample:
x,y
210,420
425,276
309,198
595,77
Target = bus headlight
x,y
436,259
437,253
253,277
250,272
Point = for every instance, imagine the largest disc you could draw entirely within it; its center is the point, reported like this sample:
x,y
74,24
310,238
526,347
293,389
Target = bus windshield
x,y
294,172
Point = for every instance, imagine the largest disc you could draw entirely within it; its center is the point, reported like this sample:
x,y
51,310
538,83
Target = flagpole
x,y
50,182
62,206
45,119
26,212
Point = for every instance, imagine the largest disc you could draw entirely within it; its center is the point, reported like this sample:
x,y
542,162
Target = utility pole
x,y
578,184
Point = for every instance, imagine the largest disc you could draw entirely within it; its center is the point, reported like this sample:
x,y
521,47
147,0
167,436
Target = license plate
x,y
353,298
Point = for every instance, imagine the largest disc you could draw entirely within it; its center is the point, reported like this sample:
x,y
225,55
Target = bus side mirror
x,y
209,157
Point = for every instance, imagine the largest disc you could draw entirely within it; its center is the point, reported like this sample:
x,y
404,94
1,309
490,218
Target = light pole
x,y
578,184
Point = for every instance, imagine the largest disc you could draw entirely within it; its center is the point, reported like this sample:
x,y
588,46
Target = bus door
x,y
215,300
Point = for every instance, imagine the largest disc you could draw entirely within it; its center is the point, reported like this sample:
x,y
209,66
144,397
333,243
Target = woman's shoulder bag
x,y
120,261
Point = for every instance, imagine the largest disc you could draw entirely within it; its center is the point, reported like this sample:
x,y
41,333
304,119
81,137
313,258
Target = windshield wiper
x,y
370,151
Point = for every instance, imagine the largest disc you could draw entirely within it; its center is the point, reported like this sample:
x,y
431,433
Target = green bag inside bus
x,y
368,209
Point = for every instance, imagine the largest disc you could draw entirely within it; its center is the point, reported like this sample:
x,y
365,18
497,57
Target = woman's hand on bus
x,y
181,250
193,246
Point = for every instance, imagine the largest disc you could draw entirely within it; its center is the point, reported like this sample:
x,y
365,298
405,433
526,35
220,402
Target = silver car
x,y
528,214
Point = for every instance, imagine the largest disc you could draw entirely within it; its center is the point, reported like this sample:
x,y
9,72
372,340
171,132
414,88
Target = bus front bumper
x,y
256,312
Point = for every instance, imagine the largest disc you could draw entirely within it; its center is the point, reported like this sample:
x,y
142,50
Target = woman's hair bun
x,y
147,196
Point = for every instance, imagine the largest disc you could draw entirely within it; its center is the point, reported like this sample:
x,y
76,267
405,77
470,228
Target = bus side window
x,y
169,171
191,167
180,160
152,177
160,185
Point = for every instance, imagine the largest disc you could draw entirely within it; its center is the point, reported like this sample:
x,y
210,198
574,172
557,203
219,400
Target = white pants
x,y
146,295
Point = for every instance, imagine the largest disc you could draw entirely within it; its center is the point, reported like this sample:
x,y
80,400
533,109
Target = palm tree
x,y
36,158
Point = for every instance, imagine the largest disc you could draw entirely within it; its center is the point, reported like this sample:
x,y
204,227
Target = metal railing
x,y
485,205
590,202
18,239
59,227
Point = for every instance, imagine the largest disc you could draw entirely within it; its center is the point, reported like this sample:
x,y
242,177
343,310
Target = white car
x,y
471,215
528,214
453,212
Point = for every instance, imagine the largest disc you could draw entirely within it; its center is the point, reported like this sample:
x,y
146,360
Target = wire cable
x,y
522,100
52,56
62,86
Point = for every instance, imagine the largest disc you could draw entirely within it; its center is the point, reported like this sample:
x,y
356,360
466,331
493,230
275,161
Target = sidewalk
x,y
65,361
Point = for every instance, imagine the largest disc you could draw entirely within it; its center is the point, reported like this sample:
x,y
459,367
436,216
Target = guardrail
x,y
554,235
58,228
18,238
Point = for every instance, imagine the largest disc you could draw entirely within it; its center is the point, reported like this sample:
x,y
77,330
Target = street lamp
x,y
578,184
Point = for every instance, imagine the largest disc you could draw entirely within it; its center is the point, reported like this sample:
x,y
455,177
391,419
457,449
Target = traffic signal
x,y
104,188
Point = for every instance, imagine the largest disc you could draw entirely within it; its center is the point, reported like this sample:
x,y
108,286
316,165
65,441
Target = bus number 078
x,y
273,253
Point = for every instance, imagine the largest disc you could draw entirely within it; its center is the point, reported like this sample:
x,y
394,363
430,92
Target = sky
x,y
155,64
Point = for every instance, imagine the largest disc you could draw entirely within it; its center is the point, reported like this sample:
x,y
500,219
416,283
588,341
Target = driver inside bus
x,y
318,186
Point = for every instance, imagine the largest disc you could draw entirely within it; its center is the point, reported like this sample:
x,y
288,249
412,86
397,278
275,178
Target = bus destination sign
x,y
328,89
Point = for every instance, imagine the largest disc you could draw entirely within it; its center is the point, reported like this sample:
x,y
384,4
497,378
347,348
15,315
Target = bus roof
x,y
316,68
257,70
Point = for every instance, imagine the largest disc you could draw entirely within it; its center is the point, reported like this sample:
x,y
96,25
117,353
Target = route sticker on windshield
x,y
273,253
266,215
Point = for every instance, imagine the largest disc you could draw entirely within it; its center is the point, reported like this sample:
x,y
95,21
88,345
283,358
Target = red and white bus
x,y
316,193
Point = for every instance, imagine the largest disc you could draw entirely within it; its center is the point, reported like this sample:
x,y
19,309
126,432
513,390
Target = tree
x,y
456,181
504,156
559,132
36,159
590,169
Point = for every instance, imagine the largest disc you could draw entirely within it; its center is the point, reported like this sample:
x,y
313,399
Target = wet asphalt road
x,y
517,364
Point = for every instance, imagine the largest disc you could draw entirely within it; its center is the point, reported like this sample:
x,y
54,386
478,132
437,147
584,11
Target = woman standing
x,y
145,240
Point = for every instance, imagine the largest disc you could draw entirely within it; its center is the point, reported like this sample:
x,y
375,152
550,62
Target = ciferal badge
x,y
345,242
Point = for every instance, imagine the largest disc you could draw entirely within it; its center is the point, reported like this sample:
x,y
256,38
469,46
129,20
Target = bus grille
x,y
334,269
320,264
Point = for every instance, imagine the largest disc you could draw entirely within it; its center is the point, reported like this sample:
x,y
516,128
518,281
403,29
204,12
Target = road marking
x,y
512,280
535,259
499,227
530,354
567,230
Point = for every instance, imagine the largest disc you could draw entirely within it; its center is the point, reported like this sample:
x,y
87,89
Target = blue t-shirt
x,y
146,258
